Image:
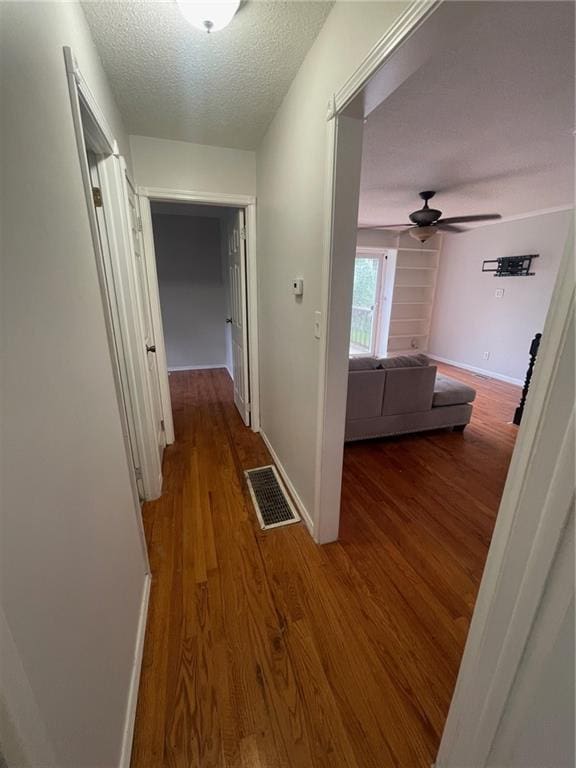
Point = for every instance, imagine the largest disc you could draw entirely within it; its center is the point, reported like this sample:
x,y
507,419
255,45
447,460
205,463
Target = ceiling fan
x,y
427,221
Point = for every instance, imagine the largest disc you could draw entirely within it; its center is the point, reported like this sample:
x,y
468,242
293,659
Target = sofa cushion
x,y
408,390
365,393
448,391
362,363
403,361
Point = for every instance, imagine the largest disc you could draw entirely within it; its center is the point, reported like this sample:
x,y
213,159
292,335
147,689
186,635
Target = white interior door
x,y
238,306
120,354
148,341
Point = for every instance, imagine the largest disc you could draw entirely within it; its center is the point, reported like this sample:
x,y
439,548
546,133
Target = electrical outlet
x,y
499,293
486,355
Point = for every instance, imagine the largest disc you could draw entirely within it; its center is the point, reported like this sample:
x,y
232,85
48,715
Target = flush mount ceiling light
x,y
209,16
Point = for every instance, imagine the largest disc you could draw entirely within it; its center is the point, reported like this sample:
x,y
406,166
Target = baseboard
x,y
304,514
474,369
175,368
126,754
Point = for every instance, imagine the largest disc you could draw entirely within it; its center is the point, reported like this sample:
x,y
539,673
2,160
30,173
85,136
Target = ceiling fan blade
x,y
449,227
385,226
462,219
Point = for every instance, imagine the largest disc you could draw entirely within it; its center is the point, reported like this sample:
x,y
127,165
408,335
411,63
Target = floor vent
x,y
271,501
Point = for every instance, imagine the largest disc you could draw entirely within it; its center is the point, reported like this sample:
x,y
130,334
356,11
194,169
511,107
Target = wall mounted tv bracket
x,y
510,266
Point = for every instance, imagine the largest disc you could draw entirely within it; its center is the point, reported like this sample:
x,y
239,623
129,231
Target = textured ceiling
x,y
487,123
172,81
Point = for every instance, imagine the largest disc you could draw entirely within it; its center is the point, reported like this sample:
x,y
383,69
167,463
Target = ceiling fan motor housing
x,y
425,217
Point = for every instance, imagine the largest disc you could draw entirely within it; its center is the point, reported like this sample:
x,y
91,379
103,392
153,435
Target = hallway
x,y
263,649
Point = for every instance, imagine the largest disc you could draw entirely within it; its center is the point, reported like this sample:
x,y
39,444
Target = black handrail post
x,y
533,352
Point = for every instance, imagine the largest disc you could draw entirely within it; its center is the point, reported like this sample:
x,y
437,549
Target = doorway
x,y
200,252
371,301
469,730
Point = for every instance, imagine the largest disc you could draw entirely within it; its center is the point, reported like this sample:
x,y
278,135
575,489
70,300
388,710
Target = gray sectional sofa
x,y
399,395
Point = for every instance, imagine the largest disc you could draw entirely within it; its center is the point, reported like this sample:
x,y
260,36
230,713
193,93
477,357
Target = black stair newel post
x,y
533,352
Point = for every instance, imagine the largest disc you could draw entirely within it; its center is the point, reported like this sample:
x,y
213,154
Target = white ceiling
x,y
488,124
172,81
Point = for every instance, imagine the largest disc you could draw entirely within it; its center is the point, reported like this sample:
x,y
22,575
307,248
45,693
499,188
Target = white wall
x,y
194,167
192,293
538,724
469,320
72,566
290,181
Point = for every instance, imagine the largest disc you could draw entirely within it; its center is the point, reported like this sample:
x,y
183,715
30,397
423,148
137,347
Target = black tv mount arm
x,y
511,266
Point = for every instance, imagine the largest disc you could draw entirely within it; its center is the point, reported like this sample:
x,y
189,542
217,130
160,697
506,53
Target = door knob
x,y
228,319
151,349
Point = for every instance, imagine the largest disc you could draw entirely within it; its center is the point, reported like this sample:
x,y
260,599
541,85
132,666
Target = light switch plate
x,y
499,293
317,324
298,286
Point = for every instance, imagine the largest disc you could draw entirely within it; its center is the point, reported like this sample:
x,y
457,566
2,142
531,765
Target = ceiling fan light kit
x,y
422,233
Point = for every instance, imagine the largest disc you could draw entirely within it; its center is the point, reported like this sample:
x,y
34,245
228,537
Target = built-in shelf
x,y
407,335
418,264
418,250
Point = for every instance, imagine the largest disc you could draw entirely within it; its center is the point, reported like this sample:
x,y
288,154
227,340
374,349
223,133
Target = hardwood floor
x,y
264,650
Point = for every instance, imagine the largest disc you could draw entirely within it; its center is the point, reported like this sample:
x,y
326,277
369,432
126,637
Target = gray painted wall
x,y
72,566
192,290
469,320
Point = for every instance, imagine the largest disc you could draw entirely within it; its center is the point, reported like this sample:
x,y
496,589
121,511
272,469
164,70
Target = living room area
x,y
466,202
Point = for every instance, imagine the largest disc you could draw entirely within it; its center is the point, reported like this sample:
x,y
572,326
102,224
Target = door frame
x,y
226,200
376,255
92,133
514,582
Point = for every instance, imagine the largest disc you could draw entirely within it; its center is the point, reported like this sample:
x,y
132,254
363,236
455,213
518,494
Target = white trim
x,y
112,172
156,316
475,369
340,239
248,203
407,23
176,368
252,297
289,501
304,514
195,196
108,147
103,136
127,738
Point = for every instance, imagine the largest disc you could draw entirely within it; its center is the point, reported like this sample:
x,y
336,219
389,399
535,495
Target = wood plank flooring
x,y
264,650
